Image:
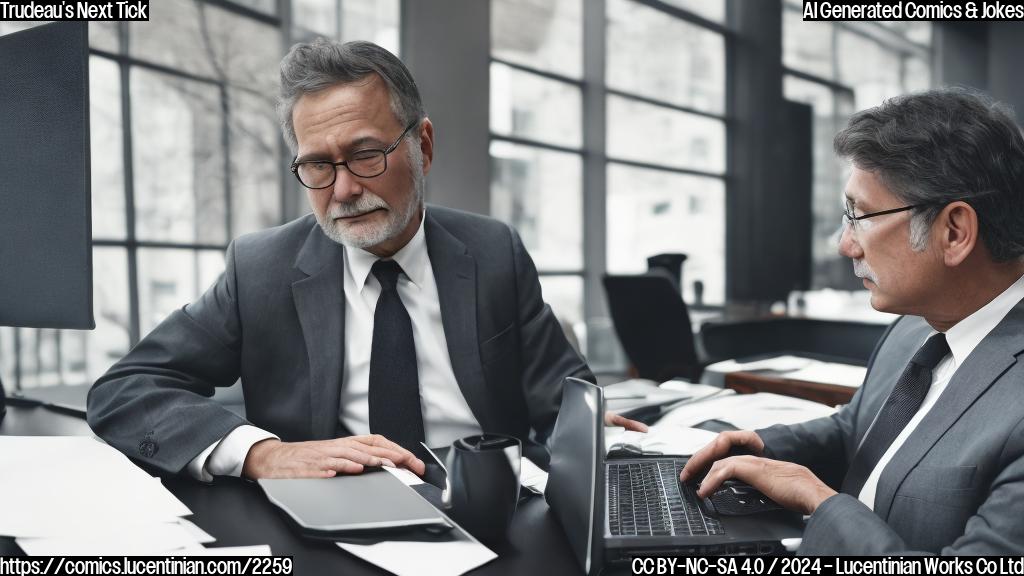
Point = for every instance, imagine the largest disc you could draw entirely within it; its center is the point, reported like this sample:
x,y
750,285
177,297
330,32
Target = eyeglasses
x,y
852,221
318,174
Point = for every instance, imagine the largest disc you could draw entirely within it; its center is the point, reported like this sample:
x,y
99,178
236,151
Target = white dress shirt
x,y
446,414
962,338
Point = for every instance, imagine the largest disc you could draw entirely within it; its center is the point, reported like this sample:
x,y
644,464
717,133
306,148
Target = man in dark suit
x,y
359,331
928,457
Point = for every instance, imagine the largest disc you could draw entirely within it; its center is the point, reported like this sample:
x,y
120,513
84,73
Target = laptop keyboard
x,y
647,499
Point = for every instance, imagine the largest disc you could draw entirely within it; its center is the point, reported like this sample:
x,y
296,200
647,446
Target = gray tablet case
x,y
374,500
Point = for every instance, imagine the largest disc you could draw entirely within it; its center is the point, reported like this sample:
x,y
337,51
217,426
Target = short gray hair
x,y
313,66
942,145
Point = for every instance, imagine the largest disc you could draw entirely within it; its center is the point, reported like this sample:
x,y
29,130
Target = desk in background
x,y
751,382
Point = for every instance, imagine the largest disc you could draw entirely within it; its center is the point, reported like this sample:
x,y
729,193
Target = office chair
x,y
653,325
839,340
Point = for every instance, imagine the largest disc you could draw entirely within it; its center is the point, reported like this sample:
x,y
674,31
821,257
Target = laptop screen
x,y
575,483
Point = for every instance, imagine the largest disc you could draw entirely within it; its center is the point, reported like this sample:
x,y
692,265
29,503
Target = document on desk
x,y
747,411
457,555
68,485
668,439
108,540
830,373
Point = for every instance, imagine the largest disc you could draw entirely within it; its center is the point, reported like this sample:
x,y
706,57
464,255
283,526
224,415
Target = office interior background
x,y
605,131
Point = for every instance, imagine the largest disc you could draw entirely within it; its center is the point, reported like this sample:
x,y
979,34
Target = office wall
x,y
982,55
768,219
1006,45
961,54
448,51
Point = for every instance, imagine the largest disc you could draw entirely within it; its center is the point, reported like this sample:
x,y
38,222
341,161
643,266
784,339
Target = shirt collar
x,y
966,334
411,257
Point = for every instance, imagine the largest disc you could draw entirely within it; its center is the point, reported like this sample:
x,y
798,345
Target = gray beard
x,y
365,236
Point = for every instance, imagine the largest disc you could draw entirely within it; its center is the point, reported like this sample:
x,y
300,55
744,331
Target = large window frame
x,y
290,202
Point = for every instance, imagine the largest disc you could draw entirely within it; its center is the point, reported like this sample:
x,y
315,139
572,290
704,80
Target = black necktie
x,y
394,381
903,403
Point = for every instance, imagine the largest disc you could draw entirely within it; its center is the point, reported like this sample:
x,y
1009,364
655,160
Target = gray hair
x,y
943,145
313,66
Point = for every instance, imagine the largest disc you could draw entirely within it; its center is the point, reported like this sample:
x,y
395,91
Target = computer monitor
x,y
45,197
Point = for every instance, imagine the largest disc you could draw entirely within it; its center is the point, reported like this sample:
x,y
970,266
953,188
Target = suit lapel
x,y
455,274
319,301
989,360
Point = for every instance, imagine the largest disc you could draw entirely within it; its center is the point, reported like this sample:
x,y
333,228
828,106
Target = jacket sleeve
x,y
547,355
824,445
155,404
843,525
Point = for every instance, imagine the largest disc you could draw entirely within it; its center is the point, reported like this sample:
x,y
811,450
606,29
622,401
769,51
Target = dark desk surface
x,y
236,513
821,392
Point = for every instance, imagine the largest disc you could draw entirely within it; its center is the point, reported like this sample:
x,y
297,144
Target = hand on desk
x,y
613,419
791,485
325,458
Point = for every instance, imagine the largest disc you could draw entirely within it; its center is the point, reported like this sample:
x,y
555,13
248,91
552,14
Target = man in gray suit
x,y
928,457
359,331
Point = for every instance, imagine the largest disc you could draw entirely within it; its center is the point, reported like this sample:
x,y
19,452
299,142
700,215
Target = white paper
x,y
669,439
830,373
406,476
110,541
260,550
782,363
201,536
747,411
453,558
71,485
633,388
532,477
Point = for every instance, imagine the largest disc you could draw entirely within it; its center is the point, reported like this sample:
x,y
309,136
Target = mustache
x,y
365,203
861,270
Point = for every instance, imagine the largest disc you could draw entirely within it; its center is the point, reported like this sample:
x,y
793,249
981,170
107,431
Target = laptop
x,y
613,509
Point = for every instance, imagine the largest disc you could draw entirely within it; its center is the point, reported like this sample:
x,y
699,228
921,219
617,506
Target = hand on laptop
x,y
325,458
613,419
791,485
721,447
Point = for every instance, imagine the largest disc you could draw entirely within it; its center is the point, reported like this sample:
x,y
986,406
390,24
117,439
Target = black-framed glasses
x,y
851,220
368,163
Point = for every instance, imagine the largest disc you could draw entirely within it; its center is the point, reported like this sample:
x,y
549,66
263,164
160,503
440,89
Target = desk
x,y
750,382
236,513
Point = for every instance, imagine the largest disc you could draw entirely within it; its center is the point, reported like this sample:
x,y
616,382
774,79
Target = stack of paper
x,y
668,439
72,495
747,411
792,367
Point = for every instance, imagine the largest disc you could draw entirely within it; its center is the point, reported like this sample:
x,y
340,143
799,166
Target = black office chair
x,y
653,325
838,340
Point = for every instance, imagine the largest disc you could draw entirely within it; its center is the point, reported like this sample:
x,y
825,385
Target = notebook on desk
x,y
613,509
371,502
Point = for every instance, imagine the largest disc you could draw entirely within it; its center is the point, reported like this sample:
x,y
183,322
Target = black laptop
x,y
617,508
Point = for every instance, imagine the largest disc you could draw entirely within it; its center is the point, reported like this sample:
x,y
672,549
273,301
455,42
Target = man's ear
x,y
957,226
427,144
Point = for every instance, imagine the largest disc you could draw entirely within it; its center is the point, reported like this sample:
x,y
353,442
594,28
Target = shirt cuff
x,y
227,456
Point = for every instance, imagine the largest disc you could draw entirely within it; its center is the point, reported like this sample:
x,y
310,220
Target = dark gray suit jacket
x,y
275,319
956,486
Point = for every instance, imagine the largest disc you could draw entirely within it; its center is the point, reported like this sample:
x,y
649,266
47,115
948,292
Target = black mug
x,y
483,472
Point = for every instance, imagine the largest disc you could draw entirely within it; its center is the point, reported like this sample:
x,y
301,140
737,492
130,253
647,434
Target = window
x,y
536,124
190,159
838,68
666,142
661,164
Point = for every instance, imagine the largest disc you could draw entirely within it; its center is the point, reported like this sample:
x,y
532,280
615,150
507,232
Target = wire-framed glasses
x,y
368,163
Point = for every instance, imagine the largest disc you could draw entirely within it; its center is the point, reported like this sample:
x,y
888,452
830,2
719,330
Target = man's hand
x,y
719,448
792,486
272,458
613,419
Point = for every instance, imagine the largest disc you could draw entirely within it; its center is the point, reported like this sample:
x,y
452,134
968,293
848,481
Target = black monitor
x,y
45,200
